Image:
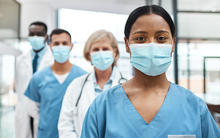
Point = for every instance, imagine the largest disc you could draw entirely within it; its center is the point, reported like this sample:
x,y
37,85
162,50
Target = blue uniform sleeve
x,y
90,125
32,91
209,127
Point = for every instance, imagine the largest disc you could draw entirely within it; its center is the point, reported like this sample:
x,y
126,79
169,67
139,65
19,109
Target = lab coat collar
x,y
115,77
40,53
45,59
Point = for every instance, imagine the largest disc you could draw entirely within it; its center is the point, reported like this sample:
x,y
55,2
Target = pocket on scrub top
x,y
181,136
41,133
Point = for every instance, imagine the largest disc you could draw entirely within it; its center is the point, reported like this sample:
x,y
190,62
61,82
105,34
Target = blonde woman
x,y
101,49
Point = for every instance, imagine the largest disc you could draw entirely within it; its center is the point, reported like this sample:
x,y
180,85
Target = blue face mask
x,y
61,53
150,58
102,60
37,42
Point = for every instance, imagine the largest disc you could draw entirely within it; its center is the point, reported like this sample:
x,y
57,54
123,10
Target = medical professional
x,y
48,86
148,105
101,49
26,65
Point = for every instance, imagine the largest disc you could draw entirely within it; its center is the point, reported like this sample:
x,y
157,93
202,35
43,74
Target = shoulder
x,y
47,52
41,74
179,90
189,97
79,70
24,55
78,81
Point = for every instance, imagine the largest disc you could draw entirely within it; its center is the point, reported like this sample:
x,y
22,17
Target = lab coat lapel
x,y
28,63
47,59
90,92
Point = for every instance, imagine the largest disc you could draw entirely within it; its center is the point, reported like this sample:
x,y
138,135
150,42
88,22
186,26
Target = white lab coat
x,y
71,117
23,75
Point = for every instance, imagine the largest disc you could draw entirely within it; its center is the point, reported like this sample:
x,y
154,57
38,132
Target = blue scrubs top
x,y
112,115
45,89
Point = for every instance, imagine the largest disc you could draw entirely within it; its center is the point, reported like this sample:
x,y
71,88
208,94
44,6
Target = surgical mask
x,y
102,59
150,58
37,42
61,53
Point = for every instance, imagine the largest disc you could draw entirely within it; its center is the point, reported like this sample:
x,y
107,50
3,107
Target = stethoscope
x,y
120,81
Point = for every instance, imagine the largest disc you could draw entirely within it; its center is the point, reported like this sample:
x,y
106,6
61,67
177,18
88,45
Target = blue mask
x,y
102,60
37,42
61,53
150,58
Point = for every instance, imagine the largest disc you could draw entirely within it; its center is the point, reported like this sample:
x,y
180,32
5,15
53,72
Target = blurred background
x,y
196,62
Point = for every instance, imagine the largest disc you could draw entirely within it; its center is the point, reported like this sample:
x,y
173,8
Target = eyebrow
x,y
162,31
140,32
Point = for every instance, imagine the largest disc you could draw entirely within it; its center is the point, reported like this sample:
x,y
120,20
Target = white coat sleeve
x,y
32,108
66,125
16,80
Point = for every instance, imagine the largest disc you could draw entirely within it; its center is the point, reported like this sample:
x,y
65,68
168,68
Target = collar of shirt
x,y
108,84
40,54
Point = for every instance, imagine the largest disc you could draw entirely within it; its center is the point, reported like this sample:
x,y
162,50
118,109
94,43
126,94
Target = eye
x,y
56,43
65,43
162,38
141,38
40,34
95,49
105,49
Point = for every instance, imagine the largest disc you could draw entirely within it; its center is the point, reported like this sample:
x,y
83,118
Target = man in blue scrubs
x,y
48,86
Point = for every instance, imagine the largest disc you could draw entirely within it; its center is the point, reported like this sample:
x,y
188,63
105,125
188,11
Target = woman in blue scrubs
x,y
148,105
48,86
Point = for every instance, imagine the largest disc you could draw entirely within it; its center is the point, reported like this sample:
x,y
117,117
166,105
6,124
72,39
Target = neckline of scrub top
x,y
69,74
61,77
131,106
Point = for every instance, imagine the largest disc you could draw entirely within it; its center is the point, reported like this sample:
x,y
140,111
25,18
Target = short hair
x,y
58,31
146,10
98,36
39,24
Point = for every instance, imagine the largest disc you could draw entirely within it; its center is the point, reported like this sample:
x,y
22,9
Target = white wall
x,y
37,11
45,10
199,25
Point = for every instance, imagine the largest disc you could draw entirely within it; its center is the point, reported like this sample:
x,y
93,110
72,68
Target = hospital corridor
x,y
109,69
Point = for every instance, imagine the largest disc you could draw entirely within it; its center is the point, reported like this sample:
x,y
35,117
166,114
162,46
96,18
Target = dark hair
x,y
146,10
58,31
40,24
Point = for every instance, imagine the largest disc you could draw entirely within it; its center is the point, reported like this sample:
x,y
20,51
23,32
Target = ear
x,y
173,46
46,38
127,45
114,54
50,45
71,46
89,57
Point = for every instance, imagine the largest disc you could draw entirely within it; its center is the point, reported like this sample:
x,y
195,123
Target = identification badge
x,y
181,136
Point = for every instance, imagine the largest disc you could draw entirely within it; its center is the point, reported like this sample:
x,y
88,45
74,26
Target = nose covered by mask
x,y
102,59
150,58
61,53
37,42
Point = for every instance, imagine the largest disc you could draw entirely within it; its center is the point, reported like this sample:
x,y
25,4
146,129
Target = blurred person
x,y
26,65
101,49
48,86
148,105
